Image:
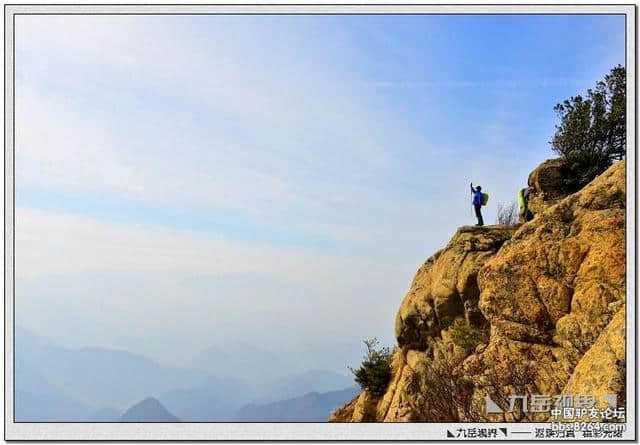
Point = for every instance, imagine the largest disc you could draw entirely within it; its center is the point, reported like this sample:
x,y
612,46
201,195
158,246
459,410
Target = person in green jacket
x,y
523,200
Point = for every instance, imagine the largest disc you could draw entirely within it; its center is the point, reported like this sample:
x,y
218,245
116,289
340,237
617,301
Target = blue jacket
x,y
477,198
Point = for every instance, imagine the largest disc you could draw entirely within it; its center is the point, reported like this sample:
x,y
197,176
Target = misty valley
x,y
91,384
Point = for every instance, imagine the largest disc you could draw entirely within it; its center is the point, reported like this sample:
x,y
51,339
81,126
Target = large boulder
x,y
547,185
548,179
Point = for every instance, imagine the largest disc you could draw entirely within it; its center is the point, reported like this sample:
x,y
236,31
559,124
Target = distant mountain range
x,y
96,377
201,404
54,383
104,415
311,381
149,410
261,366
47,406
240,360
311,407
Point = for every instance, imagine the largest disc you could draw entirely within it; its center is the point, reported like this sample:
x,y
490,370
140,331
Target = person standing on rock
x,y
477,203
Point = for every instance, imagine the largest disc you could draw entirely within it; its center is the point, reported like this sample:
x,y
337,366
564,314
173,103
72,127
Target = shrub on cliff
x,y
446,394
467,336
592,130
508,214
374,373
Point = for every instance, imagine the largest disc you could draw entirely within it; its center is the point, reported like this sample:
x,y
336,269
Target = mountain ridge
x,y
148,410
310,407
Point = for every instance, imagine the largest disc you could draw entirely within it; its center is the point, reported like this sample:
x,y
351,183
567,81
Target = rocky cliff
x,y
500,311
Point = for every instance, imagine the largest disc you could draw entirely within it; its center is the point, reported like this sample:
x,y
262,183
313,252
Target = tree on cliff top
x,y
592,130
375,372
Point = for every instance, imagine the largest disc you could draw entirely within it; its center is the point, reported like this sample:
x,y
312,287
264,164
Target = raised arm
x,y
472,190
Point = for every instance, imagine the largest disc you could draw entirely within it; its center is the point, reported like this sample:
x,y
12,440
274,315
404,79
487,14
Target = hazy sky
x,y
191,180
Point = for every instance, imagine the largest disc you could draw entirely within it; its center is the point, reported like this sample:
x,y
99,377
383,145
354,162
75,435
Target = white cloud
x,y
89,244
268,129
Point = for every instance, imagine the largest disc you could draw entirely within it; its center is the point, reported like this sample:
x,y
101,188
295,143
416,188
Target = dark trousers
x,y
478,214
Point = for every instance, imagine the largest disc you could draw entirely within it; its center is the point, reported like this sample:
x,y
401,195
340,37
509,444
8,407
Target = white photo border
x,y
299,431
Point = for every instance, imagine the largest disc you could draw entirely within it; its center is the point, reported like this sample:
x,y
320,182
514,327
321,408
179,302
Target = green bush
x,y
466,336
374,373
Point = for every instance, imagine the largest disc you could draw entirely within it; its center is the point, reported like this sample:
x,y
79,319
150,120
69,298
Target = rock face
x,y
602,369
502,311
446,285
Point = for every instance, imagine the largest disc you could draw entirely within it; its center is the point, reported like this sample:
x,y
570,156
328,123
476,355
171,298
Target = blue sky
x,y
325,155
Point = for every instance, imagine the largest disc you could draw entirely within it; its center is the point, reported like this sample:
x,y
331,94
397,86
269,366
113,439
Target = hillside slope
x,y
502,311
